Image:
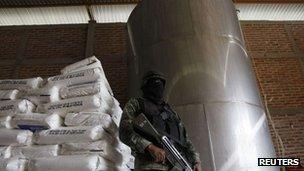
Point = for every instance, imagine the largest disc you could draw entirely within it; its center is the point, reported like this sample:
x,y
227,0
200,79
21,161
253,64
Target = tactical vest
x,y
164,120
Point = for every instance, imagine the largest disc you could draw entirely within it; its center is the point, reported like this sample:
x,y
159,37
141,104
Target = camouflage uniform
x,y
138,144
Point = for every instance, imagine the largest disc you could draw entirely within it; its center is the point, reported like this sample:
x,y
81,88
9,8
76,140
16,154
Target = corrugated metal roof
x,y
64,15
271,12
43,15
120,13
33,3
112,13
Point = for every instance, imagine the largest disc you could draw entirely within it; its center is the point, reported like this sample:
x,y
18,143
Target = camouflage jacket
x,y
138,144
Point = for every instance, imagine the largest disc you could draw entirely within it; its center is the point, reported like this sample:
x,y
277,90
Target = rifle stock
x,y
173,155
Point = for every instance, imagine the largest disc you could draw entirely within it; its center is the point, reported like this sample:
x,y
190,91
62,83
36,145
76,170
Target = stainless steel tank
x,y
199,46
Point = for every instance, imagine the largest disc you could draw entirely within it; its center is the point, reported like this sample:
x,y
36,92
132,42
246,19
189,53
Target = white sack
x,y
121,168
5,122
66,163
110,167
42,95
75,78
86,103
87,146
131,162
11,107
36,121
124,151
116,112
13,164
35,151
21,84
5,152
91,119
102,148
123,148
40,108
9,94
113,168
69,135
91,62
87,89
88,63
15,137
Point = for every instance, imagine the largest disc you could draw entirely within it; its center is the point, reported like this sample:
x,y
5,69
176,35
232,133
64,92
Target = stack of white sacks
x,y
67,122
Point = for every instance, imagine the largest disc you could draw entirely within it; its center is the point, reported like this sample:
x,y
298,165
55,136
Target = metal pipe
x,y
198,44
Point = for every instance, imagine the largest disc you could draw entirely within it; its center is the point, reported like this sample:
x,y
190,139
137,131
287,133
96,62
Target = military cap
x,y
152,74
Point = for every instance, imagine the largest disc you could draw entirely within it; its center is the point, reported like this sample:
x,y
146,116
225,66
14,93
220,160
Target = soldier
x,y
149,155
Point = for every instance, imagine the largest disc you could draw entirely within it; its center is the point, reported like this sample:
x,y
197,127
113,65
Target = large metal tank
x,y
199,46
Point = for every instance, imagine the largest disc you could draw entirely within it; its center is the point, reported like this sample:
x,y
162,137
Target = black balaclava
x,y
154,90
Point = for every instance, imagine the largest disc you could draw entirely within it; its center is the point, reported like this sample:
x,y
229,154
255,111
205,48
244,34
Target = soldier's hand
x,y
158,153
197,166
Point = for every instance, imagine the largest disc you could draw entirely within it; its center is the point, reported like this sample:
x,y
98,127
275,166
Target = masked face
x,y
154,89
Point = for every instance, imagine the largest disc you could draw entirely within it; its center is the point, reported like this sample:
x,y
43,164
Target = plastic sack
x,y
113,168
35,151
87,89
69,135
130,163
5,122
91,119
86,103
77,66
125,152
116,112
9,94
88,63
123,148
15,137
13,164
36,121
5,152
66,163
110,166
42,95
75,78
11,107
21,84
102,148
88,146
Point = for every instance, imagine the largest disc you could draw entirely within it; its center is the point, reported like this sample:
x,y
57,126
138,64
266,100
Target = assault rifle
x,y
172,154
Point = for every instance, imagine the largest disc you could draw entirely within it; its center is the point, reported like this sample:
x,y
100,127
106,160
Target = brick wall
x,y
9,43
110,39
55,43
6,71
42,70
110,45
282,80
297,31
276,49
277,53
30,51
